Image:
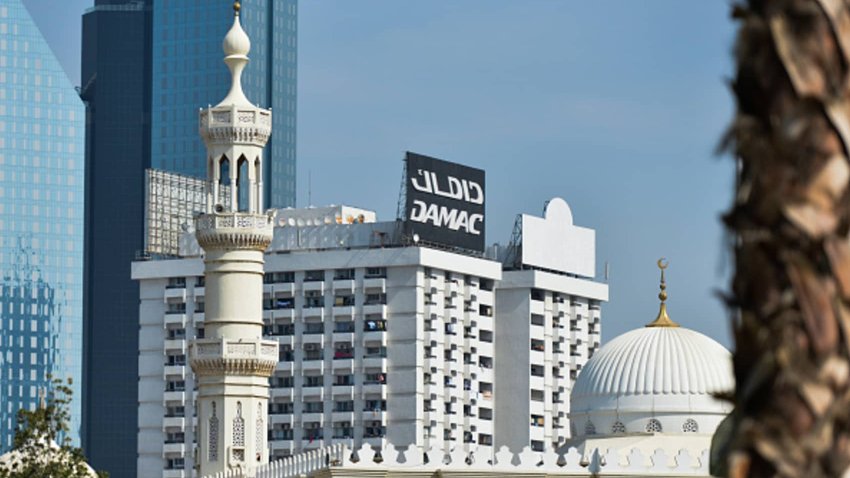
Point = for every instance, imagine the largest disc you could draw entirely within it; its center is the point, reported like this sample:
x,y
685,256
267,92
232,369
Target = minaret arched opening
x,y
243,184
223,178
257,190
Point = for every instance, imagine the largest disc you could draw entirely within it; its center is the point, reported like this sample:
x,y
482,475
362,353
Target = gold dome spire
x,y
663,320
236,7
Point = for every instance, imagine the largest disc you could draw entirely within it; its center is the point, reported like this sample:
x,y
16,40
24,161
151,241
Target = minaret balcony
x,y
234,230
233,124
234,356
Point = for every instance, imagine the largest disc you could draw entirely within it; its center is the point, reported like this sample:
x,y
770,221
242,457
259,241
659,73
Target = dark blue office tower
x,y
116,88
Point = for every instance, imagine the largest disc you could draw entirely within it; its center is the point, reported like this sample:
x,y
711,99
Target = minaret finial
x,y
663,320
236,46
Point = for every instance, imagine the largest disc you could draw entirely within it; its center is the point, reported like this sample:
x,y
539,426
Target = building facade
x,y
116,90
146,69
381,341
41,222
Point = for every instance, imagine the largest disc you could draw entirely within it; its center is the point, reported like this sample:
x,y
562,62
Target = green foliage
x,y
42,446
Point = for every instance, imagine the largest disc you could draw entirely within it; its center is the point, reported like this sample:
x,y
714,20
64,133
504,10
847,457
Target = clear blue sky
x,y
617,106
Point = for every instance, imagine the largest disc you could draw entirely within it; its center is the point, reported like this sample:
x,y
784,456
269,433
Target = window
x,y
176,283
376,299
313,298
313,381
344,300
375,405
372,325
344,406
589,428
690,426
314,276
344,274
343,351
537,421
345,326
653,426
314,407
279,277
376,272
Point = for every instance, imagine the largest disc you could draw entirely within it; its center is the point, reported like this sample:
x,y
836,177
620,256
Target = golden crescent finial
x,y
663,320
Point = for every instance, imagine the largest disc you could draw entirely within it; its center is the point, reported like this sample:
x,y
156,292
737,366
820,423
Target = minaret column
x,y
232,362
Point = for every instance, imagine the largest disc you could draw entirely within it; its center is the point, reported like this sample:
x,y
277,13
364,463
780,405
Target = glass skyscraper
x,y
42,122
148,66
188,74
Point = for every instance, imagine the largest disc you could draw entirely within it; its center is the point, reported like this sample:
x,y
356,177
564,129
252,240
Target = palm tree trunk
x,y
791,290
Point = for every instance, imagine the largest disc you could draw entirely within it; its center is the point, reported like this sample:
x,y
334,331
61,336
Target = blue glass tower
x,y
42,122
188,74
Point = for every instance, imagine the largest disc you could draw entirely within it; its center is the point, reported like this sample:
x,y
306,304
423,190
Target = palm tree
x,y
791,290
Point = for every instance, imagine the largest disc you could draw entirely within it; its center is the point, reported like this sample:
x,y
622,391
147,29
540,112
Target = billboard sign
x,y
445,202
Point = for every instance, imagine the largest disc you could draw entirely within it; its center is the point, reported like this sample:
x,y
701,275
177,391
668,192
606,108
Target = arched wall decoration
x,y
690,426
213,436
618,427
239,427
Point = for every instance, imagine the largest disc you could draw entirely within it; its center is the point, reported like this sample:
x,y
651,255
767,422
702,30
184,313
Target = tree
x,y
42,447
790,294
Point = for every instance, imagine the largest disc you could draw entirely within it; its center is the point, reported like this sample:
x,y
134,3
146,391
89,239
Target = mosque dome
x,y
657,379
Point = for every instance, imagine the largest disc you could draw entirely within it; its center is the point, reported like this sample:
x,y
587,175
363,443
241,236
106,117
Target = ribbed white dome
x,y
657,360
651,373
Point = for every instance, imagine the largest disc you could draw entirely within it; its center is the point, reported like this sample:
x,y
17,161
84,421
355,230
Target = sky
x,y
616,106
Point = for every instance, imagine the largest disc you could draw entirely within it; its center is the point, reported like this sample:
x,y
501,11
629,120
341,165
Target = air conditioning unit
x,y
311,347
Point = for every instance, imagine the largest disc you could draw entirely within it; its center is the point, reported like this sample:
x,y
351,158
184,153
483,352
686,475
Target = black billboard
x,y
445,202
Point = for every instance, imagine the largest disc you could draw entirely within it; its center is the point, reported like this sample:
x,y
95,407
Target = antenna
x,y
607,270
309,187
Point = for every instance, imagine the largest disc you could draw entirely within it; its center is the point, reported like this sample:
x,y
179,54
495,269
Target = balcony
x,y
313,286
343,311
375,284
317,366
313,311
175,474
343,285
176,292
178,319
375,309
313,392
173,422
287,393
281,419
175,345
174,371
173,449
315,338
375,362
174,398
375,389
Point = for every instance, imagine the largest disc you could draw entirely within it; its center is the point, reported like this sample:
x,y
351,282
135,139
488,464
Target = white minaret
x,y
233,362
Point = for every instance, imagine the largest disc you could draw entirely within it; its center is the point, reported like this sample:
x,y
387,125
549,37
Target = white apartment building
x,y
383,341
